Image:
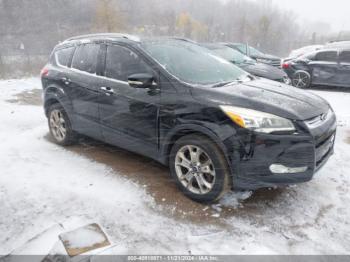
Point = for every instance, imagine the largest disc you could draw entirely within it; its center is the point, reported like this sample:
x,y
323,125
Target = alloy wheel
x,y
195,169
300,80
58,125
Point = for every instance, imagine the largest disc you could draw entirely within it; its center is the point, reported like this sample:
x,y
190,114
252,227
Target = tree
x,y
108,17
184,24
199,31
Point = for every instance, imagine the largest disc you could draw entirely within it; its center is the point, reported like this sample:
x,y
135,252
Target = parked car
x,y
256,54
330,67
213,124
345,44
248,64
303,51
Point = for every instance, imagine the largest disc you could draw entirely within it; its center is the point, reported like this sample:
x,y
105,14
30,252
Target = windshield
x,y
255,52
252,50
193,64
231,55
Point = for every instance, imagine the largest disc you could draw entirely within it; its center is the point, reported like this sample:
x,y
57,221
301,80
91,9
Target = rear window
x,y
64,56
329,56
86,57
345,57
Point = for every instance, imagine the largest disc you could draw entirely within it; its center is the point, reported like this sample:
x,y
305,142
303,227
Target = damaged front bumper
x,y
267,160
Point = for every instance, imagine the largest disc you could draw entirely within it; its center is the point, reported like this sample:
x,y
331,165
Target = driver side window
x,y
122,62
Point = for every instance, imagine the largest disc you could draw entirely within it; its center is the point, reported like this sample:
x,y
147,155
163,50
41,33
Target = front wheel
x,y
301,79
199,168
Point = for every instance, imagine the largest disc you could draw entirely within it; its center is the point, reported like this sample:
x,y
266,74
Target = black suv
x,y
256,54
248,64
216,126
330,67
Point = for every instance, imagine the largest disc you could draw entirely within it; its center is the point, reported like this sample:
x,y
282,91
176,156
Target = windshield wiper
x,y
225,83
237,81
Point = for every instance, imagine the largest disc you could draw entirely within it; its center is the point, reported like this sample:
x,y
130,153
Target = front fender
x,y
218,134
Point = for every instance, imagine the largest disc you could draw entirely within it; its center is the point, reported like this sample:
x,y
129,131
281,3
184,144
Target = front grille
x,y
318,120
276,63
323,129
324,148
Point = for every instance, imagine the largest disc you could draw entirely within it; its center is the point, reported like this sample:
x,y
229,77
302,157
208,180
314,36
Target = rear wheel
x,y
59,125
199,168
301,79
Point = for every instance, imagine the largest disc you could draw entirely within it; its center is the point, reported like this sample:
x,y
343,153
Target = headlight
x,y
257,121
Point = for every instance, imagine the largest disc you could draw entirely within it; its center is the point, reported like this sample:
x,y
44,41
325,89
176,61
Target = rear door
x,y
84,83
324,68
343,76
62,59
129,116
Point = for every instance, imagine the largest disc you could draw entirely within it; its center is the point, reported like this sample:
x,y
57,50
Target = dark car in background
x,y
329,67
248,64
256,54
302,51
213,124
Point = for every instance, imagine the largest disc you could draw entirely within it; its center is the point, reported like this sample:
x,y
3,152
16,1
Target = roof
x,y
110,36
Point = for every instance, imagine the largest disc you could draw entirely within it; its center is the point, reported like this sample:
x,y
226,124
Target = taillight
x,y
286,65
44,72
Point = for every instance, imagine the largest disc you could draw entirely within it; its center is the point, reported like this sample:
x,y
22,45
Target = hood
x,y
267,57
264,70
266,96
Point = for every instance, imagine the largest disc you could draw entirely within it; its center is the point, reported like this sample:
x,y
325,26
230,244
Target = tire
x,y
301,79
60,126
212,173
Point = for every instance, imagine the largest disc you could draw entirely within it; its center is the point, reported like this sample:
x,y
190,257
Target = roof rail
x,y
108,35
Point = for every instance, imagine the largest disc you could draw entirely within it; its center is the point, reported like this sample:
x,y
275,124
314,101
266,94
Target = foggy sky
x,y
334,12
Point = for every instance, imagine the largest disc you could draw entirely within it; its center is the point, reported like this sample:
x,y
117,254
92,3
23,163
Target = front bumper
x,y
251,163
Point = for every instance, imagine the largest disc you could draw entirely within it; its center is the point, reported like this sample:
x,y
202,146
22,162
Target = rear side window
x,y
122,62
64,56
86,57
344,57
329,56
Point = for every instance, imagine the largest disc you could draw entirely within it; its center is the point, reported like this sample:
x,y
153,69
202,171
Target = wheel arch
x,y
56,95
190,129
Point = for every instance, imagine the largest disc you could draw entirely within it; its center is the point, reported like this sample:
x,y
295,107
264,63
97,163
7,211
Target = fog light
x,y
281,169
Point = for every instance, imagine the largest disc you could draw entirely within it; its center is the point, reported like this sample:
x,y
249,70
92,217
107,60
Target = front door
x,y
129,116
343,76
324,68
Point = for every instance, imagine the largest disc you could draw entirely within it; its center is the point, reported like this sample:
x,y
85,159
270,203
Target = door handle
x,y
107,90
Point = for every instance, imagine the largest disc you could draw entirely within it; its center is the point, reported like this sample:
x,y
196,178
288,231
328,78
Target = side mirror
x,y
141,80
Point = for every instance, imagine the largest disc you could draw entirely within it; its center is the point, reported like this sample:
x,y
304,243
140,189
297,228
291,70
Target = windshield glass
x,y
231,55
193,64
255,52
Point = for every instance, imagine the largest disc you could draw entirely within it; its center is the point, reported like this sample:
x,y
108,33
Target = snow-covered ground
x,y
42,184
